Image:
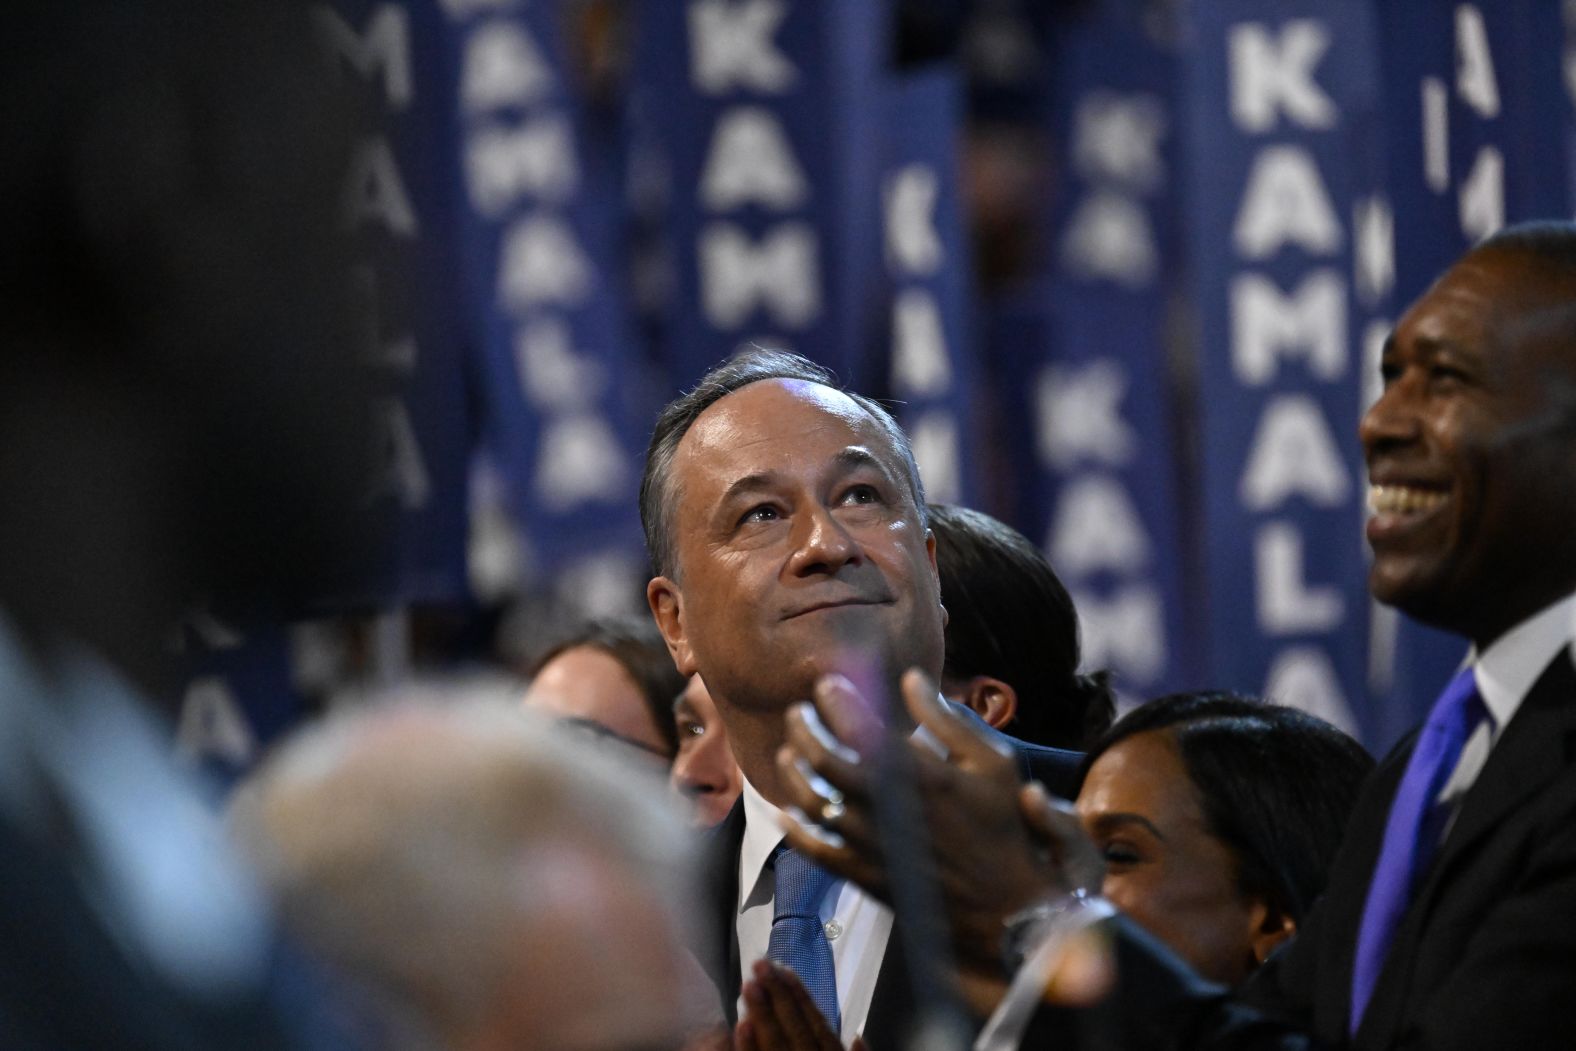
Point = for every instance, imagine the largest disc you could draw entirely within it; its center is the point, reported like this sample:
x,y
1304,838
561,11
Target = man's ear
x,y
991,699
930,552
667,608
1269,927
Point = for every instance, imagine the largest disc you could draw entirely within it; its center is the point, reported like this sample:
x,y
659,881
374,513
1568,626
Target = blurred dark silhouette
x,y
182,420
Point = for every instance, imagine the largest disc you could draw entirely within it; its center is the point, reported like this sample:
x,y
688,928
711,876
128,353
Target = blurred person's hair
x,y
752,365
1010,618
405,844
1276,785
636,644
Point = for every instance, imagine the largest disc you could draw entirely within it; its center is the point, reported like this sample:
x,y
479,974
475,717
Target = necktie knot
x,y
799,885
1455,715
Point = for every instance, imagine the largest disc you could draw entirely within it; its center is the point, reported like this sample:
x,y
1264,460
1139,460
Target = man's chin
x,y
1421,596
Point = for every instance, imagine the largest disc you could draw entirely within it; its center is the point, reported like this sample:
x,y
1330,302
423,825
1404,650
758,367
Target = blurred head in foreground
x,y
1218,817
704,770
182,411
1012,634
481,878
612,676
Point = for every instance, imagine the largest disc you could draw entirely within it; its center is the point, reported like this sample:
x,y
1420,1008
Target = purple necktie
x,y
1412,834
798,940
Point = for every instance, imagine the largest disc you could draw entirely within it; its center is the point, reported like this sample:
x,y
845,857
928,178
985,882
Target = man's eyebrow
x,y
747,483
1111,822
852,458
858,456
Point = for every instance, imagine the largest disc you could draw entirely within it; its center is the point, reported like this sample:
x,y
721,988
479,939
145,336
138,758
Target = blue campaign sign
x,y
931,360
1472,92
561,392
396,208
1103,492
1281,104
239,697
768,114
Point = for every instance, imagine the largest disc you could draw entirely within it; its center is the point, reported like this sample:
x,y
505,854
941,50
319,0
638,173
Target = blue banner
x,y
563,396
240,696
1105,468
1281,112
397,206
769,118
931,366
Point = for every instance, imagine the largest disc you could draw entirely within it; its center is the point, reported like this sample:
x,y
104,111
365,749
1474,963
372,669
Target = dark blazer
x,y
891,1005
1485,957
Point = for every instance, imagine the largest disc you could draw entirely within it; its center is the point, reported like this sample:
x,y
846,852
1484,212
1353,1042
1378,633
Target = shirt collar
x,y
1512,663
762,832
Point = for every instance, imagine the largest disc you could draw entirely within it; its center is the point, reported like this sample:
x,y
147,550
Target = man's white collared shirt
x,y
1505,672
857,925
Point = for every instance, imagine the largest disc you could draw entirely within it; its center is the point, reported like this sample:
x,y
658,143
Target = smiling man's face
x,y
1472,449
798,541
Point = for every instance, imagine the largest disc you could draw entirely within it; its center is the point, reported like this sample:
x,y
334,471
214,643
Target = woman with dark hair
x,y
1218,817
613,677
1012,634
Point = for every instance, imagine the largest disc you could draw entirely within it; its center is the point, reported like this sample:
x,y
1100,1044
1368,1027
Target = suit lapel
x,y
1532,751
1528,755
720,956
891,1006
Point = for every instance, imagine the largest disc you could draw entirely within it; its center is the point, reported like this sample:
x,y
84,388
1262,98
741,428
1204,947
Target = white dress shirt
x,y
856,924
1505,672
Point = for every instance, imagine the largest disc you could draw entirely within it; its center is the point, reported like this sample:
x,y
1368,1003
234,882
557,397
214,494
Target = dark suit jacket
x,y
1485,957
891,1006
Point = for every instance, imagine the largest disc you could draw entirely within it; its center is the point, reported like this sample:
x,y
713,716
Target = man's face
x,y
1472,451
798,545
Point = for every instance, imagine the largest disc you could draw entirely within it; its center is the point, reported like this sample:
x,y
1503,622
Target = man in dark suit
x,y
785,520
1450,916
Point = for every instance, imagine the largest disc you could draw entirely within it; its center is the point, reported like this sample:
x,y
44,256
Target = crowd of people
x,y
847,784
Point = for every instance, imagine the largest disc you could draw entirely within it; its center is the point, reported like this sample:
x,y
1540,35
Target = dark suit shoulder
x,y
1055,768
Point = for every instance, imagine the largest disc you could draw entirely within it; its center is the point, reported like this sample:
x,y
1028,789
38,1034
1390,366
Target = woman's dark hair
x,y
1276,784
1009,617
638,647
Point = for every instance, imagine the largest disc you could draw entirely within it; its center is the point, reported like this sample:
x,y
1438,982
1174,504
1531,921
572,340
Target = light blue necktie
x,y
798,940
1412,834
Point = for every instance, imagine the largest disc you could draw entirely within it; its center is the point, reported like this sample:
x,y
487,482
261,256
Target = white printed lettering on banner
x,y
523,172
374,202
1301,326
1097,538
922,368
750,163
1480,191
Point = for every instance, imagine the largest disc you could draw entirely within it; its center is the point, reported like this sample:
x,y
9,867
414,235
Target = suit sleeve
x,y
1161,1004
1514,984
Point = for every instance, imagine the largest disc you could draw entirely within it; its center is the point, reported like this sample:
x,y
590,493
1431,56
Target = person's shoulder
x,y
1056,768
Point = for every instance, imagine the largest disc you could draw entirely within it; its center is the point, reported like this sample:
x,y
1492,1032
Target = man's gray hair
x,y
401,843
657,495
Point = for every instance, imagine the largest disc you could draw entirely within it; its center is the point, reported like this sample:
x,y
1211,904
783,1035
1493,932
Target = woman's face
x,y
1164,868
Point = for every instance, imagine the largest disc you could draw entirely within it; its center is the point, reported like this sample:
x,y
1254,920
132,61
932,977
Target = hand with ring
x,y
990,861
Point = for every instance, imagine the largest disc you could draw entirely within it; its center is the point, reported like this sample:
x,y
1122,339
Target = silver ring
x,y
833,809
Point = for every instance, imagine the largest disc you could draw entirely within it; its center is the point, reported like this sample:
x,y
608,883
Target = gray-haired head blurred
x,y
424,851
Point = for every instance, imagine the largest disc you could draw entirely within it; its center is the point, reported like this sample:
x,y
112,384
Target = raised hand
x,y
780,1016
989,861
